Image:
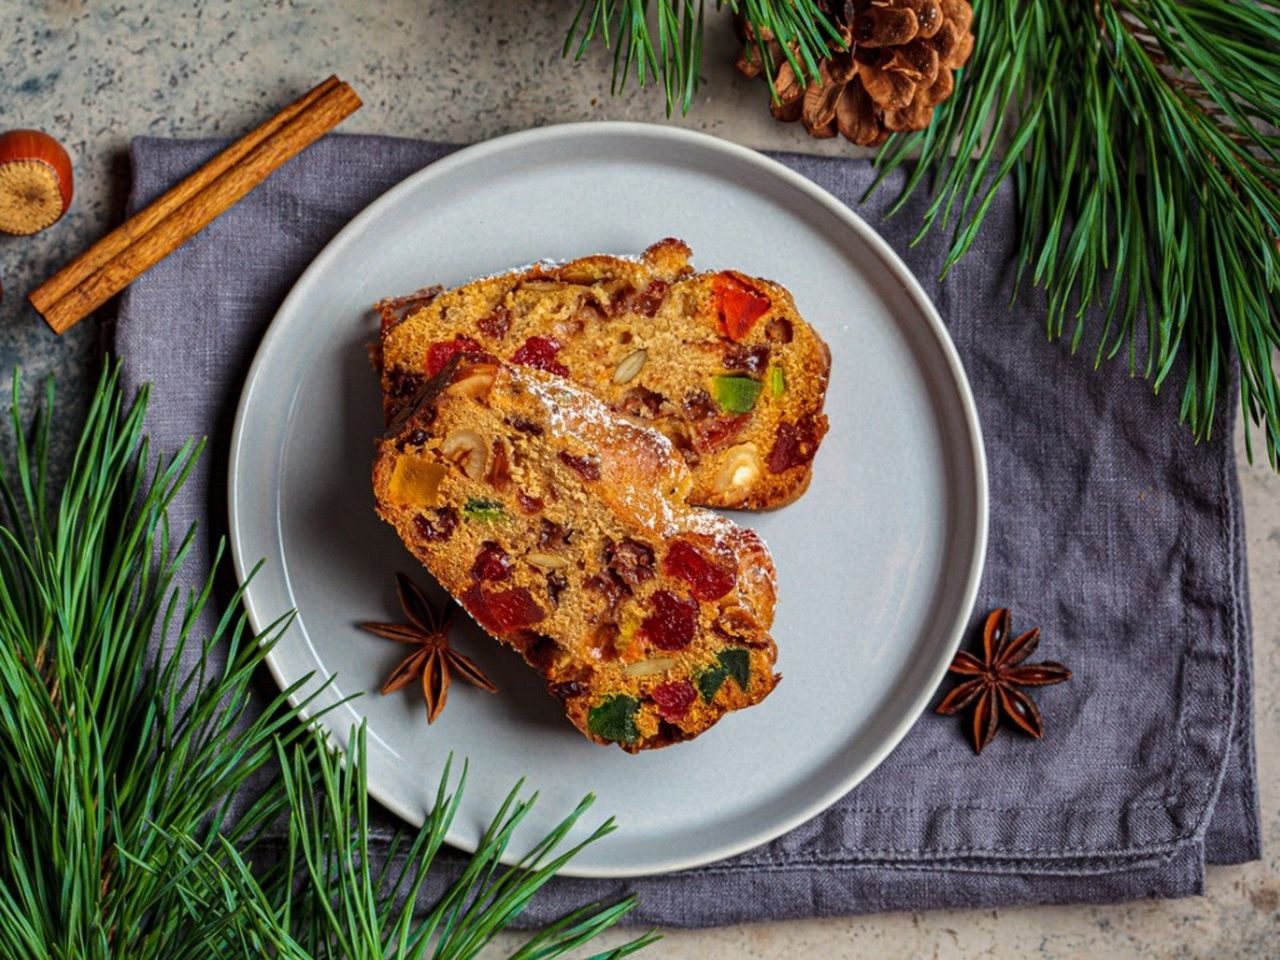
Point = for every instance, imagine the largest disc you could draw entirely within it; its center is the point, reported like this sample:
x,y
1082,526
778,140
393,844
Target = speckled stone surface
x,y
96,74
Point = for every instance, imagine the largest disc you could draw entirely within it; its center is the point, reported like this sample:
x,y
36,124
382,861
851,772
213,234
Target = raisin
x,y
751,359
440,353
492,563
501,611
499,474
538,649
588,468
631,560
737,625
526,426
556,585
610,586
713,433
567,689
414,438
648,300
684,446
496,323
778,330
672,624
795,445
540,353
673,699
552,536
641,402
440,527
707,579
589,310
528,504
402,384
698,404
738,306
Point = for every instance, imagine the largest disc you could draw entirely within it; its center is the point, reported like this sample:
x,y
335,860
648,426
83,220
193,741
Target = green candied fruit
x,y
737,660
709,682
732,662
777,381
735,394
615,719
481,508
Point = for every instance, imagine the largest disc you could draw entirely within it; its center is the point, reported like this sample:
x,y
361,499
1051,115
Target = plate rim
x,y
974,447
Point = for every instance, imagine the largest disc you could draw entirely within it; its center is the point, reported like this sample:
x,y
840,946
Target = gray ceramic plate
x,y
877,564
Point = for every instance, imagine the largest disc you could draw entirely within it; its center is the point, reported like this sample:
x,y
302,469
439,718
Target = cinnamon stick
x,y
153,233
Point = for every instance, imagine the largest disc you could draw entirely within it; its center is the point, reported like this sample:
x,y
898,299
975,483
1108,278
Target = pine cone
x,y
898,66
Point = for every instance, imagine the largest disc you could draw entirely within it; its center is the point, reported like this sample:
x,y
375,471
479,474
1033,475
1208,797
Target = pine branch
x,y
118,766
1140,139
666,47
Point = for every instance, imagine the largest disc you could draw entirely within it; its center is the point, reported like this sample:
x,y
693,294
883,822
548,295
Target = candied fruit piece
x,y
777,381
501,611
795,444
731,662
438,354
735,394
482,508
707,579
496,323
673,622
673,699
415,481
540,353
738,306
615,719
492,563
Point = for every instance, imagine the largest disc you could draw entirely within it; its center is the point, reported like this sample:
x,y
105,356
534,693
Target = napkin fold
x,y
1110,529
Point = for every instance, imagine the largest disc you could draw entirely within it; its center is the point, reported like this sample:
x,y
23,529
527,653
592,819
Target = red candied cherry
x,y
440,353
707,579
495,324
492,563
540,353
673,622
673,699
501,611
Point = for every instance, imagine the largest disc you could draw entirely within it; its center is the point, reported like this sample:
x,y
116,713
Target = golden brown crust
x,y
563,529
720,363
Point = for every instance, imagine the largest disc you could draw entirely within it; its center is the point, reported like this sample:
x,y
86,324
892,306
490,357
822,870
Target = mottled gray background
x,y
96,75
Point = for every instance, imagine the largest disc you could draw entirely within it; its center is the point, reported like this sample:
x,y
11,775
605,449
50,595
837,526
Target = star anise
x,y
995,679
433,660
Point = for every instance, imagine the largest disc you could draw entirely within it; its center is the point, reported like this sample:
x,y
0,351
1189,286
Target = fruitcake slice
x,y
563,529
721,363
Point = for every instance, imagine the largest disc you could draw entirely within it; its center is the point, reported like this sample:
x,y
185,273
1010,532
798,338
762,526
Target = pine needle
x,y
118,766
1146,167
665,46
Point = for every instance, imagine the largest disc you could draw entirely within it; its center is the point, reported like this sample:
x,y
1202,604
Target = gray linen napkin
x,y
1110,529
